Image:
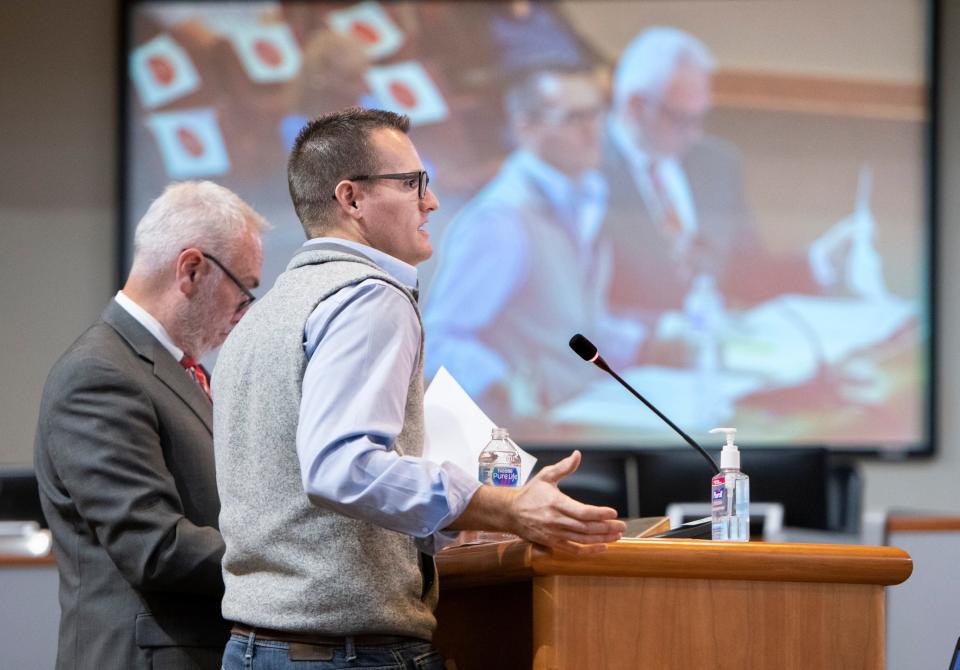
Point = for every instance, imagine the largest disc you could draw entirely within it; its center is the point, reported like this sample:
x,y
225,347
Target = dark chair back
x,y
20,497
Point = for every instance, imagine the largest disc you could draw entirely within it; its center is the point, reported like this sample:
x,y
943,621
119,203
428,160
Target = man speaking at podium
x,y
328,512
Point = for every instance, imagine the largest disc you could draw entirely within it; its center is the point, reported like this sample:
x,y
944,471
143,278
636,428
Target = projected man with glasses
x,y
124,446
677,204
678,211
527,260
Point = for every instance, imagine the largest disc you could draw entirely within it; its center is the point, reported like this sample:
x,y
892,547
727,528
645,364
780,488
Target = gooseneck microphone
x,y
586,350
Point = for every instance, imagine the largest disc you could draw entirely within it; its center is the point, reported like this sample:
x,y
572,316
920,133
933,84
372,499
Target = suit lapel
x,y
623,187
165,368
173,375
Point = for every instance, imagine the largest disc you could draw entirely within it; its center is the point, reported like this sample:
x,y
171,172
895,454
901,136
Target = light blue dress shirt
x,y
484,265
363,345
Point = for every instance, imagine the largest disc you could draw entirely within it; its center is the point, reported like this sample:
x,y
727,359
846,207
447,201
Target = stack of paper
x,y
456,429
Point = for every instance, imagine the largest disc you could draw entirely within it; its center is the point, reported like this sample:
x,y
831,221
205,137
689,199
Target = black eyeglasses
x,y
569,117
420,176
682,120
249,296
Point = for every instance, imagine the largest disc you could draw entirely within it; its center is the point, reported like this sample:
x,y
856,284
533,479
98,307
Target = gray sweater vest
x,y
291,564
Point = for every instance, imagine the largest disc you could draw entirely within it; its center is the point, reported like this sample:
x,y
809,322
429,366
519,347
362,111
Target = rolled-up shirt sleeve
x,y
363,346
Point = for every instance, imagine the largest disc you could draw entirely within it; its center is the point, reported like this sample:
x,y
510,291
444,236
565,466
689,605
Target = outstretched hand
x,y
544,515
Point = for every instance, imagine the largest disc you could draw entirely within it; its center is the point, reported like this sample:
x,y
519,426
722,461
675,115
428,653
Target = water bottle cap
x,y
499,434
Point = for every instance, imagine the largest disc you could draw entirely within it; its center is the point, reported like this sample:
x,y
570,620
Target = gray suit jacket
x,y
647,278
124,462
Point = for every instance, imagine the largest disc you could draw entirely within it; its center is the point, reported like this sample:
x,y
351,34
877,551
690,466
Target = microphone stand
x,y
602,364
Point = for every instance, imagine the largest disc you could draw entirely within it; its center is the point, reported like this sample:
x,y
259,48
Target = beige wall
x,y
57,240
789,36
57,219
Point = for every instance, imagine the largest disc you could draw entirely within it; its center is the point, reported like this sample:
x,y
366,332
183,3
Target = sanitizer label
x,y
505,475
718,495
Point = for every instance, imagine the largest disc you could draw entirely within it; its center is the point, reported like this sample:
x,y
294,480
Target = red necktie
x,y
668,213
196,371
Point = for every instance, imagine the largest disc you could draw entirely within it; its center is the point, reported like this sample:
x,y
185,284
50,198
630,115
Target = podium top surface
x,y
679,559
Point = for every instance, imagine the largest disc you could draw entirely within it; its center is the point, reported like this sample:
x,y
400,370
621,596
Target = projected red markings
x,y
268,53
161,69
190,142
365,32
402,93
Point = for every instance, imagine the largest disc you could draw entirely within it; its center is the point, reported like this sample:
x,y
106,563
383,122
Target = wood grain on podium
x,y
667,604
702,559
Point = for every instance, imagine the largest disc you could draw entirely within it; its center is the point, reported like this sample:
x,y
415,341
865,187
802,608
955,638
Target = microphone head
x,y
583,347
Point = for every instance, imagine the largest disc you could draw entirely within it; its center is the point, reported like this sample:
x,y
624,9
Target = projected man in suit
x,y
677,204
124,450
525,263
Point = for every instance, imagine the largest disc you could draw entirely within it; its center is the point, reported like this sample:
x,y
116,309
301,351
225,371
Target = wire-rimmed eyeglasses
x,y
246,292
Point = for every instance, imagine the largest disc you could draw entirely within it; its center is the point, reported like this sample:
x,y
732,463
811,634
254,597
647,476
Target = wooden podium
x,y
667,604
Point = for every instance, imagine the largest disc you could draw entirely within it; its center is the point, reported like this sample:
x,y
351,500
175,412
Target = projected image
x,y
726,199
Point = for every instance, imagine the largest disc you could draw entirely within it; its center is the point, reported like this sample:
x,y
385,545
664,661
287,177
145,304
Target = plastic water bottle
x,y
499,462
498,465
730,494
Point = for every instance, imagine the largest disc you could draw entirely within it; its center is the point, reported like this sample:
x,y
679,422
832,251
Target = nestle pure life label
x,y
505,475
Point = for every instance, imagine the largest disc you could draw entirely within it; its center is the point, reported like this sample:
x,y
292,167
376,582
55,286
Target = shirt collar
x,y
558,187
636,156
147,320
403,272
632,151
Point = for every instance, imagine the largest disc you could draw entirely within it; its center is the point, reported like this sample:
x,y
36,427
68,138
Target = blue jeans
x,y
248,653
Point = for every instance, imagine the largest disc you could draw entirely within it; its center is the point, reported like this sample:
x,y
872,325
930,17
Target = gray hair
x,y
329,149
192,214
648,63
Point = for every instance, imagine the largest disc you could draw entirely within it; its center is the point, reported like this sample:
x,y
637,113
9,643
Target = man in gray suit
x,y
677,203
124,449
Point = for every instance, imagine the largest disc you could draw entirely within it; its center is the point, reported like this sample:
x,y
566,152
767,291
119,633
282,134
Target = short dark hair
x,y
329,149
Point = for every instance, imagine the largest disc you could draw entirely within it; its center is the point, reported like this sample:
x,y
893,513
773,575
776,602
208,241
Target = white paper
x,y
456,429
786,339
778,344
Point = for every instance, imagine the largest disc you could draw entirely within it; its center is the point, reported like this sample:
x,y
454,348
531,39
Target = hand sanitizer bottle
x,y
730,494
